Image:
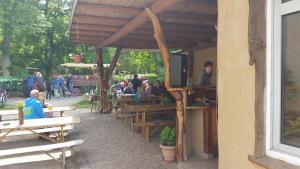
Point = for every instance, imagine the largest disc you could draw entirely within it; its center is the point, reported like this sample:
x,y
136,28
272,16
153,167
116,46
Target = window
x,y
284,110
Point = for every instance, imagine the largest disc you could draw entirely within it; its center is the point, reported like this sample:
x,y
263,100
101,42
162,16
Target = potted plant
x,y
167,143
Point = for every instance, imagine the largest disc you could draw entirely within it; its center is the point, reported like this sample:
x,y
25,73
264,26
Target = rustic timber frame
x,y
257,50
187,25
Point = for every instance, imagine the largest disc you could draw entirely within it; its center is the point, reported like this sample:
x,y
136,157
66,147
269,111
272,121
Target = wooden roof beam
x,y
170,38
185,27
147,27
86,8
86,19
94,27
157,7
187,18
93,33
147,33
202,6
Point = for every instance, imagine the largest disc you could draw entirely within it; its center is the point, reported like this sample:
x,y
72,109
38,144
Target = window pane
x,y
283,1
291,80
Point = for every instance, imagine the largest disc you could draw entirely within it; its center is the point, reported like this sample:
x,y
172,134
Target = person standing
x,y
62,86
206,74
40,82
71,85
136,82
49,89
56,87
30,81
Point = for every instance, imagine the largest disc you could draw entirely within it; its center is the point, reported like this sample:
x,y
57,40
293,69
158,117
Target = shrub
x,y
168,136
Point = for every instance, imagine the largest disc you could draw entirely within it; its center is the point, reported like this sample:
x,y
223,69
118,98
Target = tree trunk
x,y
103,84
5,59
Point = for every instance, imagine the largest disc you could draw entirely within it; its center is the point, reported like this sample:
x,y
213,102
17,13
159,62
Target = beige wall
x,y
236,84
201,56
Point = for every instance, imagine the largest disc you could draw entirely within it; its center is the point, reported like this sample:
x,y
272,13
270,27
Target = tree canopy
x,y
33,33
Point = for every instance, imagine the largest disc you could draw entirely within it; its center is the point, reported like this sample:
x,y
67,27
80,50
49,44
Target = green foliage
x,y
141,62
7,107
85,103
168,136
38,35
38,31
150,76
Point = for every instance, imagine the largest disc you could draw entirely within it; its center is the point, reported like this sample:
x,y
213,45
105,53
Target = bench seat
x,y
158,124
33,149
26,135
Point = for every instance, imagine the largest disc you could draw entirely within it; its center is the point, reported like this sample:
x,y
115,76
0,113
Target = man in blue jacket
x,y
33,108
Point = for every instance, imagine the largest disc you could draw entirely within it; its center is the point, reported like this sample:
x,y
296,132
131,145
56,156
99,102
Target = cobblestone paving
x,y
108,145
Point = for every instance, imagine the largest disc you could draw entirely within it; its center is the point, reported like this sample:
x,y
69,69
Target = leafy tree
x,y
16,20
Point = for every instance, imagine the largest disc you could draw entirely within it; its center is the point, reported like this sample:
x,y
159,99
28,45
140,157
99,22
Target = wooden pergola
x,y
145,24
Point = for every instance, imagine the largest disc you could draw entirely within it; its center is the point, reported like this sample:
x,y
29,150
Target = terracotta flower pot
x,y
169,153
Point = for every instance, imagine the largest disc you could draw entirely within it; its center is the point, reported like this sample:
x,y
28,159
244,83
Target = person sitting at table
x,y
128,89
158,89
33,107
148,89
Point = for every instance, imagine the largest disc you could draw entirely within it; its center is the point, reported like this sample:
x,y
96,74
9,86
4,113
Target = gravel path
x,y
67,101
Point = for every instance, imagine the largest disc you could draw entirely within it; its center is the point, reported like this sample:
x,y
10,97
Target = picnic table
x,y
33,125
147,109
61,110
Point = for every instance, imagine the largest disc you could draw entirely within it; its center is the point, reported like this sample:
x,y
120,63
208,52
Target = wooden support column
x,y
113,64
101,78
161,41
190,68
104,77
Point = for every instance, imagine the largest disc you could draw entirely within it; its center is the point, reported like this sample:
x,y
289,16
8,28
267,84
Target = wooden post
x,y
104,77
190,68
101,79
161,41
113,64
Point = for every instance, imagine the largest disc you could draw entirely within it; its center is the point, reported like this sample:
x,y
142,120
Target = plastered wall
x,y
236,87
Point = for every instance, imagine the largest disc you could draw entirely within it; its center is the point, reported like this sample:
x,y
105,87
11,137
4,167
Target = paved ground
x,y
109,145
67,101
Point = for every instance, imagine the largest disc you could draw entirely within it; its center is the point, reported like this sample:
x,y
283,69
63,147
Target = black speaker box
x,y
178,70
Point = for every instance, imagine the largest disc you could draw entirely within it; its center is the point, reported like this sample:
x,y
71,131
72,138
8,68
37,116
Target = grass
x,y
83,104
8,107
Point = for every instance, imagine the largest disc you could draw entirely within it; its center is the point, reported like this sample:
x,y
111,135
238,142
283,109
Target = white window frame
x,y
274,148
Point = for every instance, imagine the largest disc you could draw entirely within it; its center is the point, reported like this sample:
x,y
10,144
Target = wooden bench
x,y
42,148
25,134
158,124
39,127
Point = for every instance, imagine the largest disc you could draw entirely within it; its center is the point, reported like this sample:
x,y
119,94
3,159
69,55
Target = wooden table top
x,y
150,107
46,110
58,109
40,123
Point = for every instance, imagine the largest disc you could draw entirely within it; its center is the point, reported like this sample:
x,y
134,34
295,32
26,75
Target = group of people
x,y
141,88
34,81
57,86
